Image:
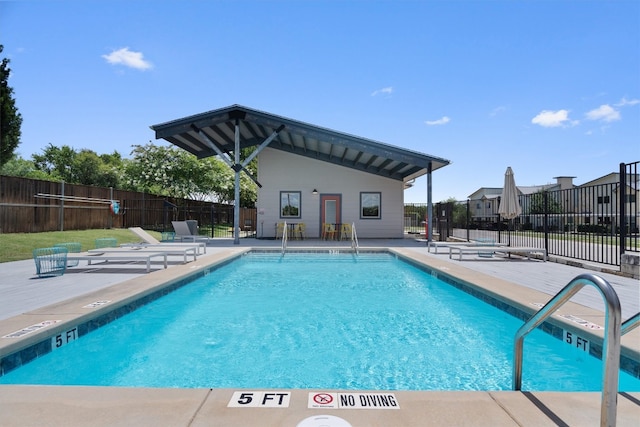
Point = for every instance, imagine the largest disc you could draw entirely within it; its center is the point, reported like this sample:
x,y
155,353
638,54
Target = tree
x,y
174,172
84,167
17,166
459,212
537,206
91,169
10,118
58,162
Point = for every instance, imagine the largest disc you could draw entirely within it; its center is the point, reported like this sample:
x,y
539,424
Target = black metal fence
x,y
629,207
594,223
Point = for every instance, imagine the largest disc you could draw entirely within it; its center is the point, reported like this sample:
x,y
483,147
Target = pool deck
x,y
27,300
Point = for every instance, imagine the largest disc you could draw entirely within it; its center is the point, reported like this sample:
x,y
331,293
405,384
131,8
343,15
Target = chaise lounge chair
x,y
183,233
148,241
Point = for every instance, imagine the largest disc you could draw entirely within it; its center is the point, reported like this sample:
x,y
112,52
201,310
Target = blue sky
x,y
550,88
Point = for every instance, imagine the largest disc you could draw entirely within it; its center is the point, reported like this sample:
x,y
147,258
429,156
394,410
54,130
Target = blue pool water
x,y
316,321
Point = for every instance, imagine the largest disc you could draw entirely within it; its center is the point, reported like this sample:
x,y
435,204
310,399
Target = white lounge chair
x,y
183,233
508,250
184,251
149,241
124,257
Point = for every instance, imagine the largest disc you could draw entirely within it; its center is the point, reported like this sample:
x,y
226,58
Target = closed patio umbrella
x,y
509,205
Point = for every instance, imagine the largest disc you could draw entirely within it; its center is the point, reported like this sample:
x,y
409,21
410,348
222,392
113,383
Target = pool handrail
x,y
354,238
611,344
630,324
284,238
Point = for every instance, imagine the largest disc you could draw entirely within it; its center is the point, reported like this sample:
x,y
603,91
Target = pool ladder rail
x,y
354,239
630,324
284,238
614,329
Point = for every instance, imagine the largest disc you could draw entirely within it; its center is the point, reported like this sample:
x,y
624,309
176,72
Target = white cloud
x,y
624,102
552,119
497,111
128,58
383,91
443,121
605,113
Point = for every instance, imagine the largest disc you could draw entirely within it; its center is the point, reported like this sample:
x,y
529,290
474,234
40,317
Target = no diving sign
x,y
353,400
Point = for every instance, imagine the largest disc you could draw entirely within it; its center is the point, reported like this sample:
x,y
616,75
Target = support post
x,y
236,192
62,207
545,195
622,214
468,221
429,204
110,215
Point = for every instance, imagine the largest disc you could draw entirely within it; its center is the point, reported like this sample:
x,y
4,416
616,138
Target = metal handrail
x,y
284,238
354,238
612,333
630,324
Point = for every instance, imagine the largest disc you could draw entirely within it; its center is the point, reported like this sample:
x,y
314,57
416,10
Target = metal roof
x,y
295,137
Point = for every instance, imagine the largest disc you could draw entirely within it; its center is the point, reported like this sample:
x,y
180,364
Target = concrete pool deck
x,y
27,300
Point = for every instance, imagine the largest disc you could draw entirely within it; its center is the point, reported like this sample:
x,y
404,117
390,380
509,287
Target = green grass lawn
x,y
19,246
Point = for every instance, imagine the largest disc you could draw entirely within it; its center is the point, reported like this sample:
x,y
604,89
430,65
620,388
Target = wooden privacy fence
x,y
31,206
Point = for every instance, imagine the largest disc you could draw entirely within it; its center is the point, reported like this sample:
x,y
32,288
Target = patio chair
x,y
50,261
345,231
72,247
299,230
328,231
149,241
184,233
144,236
485,242
106,242
279,230
248,227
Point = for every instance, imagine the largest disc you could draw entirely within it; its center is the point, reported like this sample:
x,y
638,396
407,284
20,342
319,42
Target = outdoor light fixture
x,y
314,192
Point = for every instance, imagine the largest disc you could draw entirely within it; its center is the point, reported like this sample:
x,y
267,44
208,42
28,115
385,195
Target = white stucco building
x,y
308,174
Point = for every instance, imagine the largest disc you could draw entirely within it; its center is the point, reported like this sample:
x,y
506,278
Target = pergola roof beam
x,y
297,137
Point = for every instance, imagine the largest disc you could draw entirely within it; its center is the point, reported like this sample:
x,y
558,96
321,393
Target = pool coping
x,y
72,312
110,406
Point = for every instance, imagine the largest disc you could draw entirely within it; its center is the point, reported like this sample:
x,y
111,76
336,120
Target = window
x,y
630,198
603,200
290,204
370,205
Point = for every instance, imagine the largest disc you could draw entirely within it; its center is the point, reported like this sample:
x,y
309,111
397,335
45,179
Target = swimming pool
x,y
334,321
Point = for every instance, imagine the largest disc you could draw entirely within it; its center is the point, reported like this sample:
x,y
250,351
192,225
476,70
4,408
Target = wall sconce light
x,y
314,192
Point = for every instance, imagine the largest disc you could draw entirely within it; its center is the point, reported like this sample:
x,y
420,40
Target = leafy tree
x,y
91,169
459,212
536,203
10,118
174,172
83,167
17,166
57,162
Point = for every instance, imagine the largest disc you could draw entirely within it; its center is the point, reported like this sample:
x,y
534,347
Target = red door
x,y
330,209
